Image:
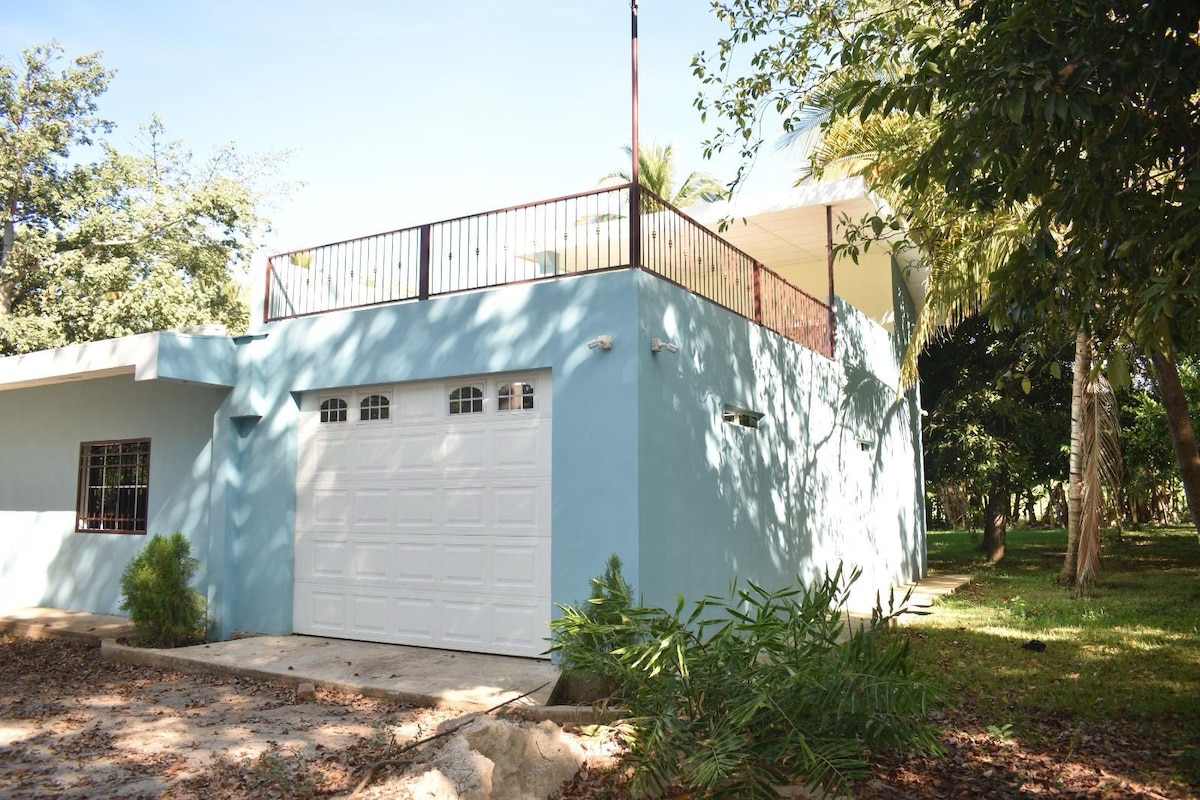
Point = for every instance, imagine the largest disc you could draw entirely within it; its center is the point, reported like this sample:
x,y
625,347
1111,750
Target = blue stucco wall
x,y
642,464
43,561
794,497
515,328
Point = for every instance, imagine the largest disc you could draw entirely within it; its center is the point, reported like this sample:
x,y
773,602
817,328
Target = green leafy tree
x,y
656,172
44,112
1151,478
966,79
1087,116
991,428
135,241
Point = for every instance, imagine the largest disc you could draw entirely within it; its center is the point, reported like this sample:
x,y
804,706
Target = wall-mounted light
x,y
604,342
658,345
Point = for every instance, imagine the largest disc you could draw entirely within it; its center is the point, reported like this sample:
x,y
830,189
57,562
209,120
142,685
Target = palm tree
x,y
656,172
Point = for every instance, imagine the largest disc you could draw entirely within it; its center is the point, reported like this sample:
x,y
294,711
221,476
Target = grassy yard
x,y
1129,652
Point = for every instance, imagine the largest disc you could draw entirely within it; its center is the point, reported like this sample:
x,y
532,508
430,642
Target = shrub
x,y
599,626
753,691
156,591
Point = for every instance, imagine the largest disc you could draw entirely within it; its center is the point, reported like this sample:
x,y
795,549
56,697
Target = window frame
x,y
739,417
507,403
475,400
382,410
84,488
326,411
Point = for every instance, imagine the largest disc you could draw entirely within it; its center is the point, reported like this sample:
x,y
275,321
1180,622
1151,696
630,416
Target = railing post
x,y
829,259
267,294
635,225
758,292
423,268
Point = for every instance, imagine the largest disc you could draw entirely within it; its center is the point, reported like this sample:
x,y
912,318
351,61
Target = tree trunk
x,y
1183,436
6,246
995,525
1083,365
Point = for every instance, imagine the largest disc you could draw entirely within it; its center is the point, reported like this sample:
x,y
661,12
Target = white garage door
x,y
423,514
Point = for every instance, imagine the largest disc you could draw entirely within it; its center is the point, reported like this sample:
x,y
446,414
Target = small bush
x,y
753,691
599,626
156,591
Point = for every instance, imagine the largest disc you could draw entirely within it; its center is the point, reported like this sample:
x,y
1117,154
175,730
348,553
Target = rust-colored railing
x,y
579,233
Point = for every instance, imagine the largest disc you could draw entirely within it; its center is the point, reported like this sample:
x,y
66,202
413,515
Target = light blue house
x,y
434,435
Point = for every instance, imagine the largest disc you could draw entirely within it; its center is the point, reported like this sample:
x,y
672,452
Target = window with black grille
x,y
114,486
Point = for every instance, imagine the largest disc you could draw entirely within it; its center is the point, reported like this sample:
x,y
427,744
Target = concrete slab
x,y
471,681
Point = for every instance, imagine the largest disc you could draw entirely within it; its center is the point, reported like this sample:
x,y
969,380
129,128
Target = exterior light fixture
x,y
604,342
658,345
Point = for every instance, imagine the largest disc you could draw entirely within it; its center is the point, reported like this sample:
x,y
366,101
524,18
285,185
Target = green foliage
x,y
984,432
132,242
601,624
156,591
753,691
1153,491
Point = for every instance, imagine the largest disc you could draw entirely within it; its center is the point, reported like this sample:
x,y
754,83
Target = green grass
x,y
1129,651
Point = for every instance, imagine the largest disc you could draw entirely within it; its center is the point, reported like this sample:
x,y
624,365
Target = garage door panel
x,y
371,561
326,610
516,625
516,506
464,507
426,528
328,559
374,508
417,452
416,507
332,455
464,565
517,567
416,563
516,448
463,449
375,455
371,613
463,621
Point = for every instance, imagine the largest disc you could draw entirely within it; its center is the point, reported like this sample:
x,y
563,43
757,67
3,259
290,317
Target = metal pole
x,y
829,258
635,188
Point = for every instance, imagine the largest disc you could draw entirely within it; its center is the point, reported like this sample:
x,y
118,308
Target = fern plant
x,y
156,590
753,691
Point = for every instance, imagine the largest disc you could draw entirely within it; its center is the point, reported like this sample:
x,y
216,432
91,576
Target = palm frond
x,y
1101,469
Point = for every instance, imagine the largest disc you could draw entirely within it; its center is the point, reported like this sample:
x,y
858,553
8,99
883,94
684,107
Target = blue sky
x,y
397,113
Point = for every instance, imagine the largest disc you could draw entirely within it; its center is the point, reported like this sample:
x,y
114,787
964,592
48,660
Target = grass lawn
x,y
1129,652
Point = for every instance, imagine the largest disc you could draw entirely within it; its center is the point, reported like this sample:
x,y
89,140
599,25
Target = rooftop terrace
x,y
604,229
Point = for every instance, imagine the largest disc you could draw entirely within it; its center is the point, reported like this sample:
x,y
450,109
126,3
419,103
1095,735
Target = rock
x,y
306,692
495,759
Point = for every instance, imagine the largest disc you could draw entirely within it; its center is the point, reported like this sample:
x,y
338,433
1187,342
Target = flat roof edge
x,y
161,355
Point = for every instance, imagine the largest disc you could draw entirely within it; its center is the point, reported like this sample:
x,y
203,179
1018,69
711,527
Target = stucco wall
x,y
642,464
43,561
795,496
515,328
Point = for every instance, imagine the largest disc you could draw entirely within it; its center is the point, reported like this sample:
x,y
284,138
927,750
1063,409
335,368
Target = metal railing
x,y
580,233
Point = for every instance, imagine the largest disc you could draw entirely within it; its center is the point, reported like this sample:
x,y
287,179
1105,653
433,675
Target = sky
x,y
394,114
